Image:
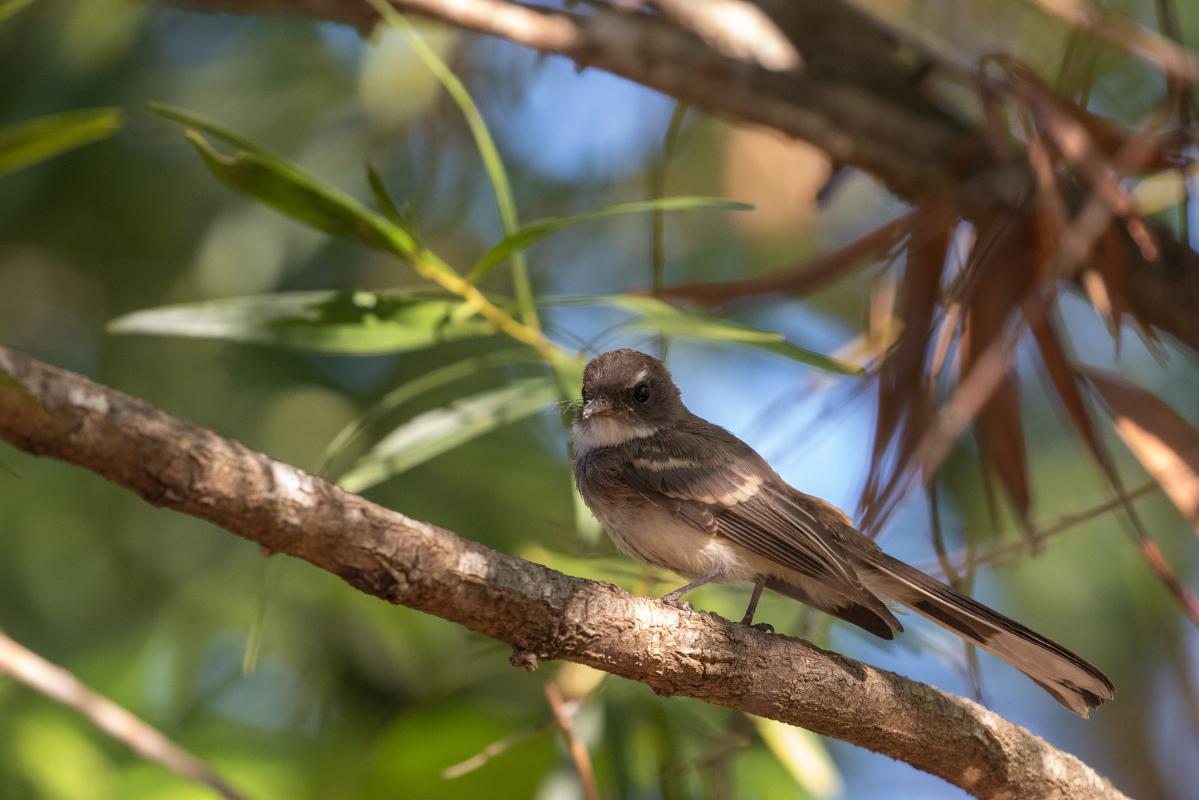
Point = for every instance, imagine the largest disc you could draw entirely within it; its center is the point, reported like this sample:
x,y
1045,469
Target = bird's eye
x,y
641,393
586,394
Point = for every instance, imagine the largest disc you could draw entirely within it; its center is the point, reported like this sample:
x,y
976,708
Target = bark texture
x,y
542,613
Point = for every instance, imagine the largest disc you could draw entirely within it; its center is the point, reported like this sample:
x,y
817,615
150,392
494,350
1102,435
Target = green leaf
x,y
410,390
282,185
352,323
293,192
383,199
662,317
26,143
435,432
528,235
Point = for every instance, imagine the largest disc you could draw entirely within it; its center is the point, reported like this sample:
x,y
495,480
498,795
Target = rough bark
x,y
542,613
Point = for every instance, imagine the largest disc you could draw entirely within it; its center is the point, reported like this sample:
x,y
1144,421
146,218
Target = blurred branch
x,y
542,613
858,97
1175,61
56,683
578,751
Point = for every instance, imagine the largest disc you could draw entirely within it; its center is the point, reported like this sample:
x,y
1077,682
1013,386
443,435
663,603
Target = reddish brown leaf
x,y
903,402
1069,129
1165,443
807,277
1064,379
1004,275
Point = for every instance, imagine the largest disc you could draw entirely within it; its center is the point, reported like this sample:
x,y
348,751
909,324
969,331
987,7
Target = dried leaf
x,y
903,401
807,277
1004,272
1165,443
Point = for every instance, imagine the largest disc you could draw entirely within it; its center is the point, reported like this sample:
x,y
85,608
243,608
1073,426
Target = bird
x,y
681,493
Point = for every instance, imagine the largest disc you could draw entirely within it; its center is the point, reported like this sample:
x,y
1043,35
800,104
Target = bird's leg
x,y
674,597
748,619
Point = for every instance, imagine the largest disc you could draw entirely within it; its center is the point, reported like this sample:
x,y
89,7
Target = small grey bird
x,y
681,493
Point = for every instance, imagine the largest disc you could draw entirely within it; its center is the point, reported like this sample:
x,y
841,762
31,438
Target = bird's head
x,y
626,395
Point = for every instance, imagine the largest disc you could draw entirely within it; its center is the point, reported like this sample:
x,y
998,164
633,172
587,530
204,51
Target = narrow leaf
x,y
528,235
297,194
435,432
357,323
488,152
382,198
26,143
1165,443
661,317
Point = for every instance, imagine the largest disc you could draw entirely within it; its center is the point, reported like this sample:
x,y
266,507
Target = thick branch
x,y
542,613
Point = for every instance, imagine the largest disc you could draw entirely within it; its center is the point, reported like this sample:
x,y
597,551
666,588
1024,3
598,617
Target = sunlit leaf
x,y
661,317
352,323
23,144
282,185
435,432
528,235
804,756
1165,443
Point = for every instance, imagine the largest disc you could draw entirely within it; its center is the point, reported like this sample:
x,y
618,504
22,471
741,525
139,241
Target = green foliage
x,y
350,323
434,432
278,183
23,144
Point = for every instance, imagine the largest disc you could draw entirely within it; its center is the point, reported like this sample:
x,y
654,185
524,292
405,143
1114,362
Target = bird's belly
x,y
662,539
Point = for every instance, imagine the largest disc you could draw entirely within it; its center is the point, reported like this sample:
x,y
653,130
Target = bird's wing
x,y
716,482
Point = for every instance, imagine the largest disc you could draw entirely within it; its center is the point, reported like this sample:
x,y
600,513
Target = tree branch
x,y
858,95
542,613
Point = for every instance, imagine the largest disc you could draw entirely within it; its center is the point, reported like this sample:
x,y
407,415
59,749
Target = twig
x,y
1008,552
492,750
578,751
56,683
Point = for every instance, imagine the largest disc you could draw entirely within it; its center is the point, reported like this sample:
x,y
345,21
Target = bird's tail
x,y
1071,680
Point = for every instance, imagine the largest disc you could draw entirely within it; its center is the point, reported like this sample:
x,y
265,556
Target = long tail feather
x,y
1071,680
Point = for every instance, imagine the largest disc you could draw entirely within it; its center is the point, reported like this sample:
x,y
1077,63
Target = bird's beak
x,y
596,407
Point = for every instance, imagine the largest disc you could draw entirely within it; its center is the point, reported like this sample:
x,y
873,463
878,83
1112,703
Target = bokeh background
x,y
350,697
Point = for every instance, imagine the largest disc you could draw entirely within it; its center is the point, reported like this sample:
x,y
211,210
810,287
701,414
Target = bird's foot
x,y
764,627
678,602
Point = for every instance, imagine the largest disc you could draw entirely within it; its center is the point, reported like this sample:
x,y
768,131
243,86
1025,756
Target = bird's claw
x,y
678,603
764,627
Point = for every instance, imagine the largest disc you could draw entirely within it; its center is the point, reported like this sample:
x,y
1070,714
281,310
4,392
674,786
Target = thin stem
x,y
657,190
29,668
521,285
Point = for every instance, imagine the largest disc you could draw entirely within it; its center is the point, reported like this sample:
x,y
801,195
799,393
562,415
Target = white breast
x,y
651,534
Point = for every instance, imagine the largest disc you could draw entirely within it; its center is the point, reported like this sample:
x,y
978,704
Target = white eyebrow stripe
x,y
640,377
